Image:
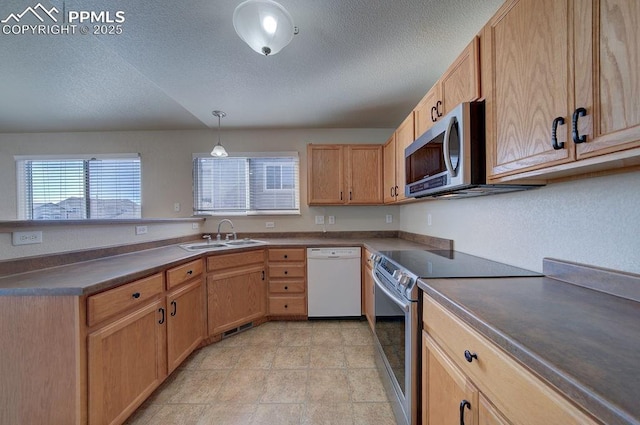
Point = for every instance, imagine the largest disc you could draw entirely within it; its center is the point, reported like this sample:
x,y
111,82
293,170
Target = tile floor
x,y
279,373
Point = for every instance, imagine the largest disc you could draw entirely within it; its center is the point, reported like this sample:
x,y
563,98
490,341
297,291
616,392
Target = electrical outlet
x,y
26,238
388,218
176,206
141,230
428,219
270,224
195,226
319,219
332,219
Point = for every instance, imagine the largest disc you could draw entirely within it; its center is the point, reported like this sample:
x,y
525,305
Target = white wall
x,y
593,221
166,179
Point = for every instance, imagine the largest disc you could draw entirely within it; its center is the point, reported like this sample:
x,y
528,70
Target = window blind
x,y
68,188
246,184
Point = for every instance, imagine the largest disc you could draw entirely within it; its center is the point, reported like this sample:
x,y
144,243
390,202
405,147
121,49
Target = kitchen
x,y
588,220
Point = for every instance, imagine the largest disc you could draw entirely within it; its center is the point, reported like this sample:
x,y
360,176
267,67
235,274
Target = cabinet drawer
x,y
183,273
517,393
226,261
287,270
287,254
279,306
106,304
287,287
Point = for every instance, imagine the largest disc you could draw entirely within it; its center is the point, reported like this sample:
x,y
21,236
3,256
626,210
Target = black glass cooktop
x,y
452,264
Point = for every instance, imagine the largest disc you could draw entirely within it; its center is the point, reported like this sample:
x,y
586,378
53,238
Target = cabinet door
x,y
185,324
528,83
404,137
325,177
364,174
389,170
235,298
425,113
445,389
126,362
607,53
461,82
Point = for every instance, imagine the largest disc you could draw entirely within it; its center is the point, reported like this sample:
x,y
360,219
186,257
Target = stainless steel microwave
x,y
448,160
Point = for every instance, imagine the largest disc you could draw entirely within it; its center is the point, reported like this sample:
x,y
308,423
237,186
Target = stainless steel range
x,y
397,330
398,311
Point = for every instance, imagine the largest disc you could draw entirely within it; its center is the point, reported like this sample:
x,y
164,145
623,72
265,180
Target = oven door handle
x,y
404,306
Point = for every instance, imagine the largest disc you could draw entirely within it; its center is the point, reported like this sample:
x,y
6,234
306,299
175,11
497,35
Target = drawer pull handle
x,y
577,138
286,306
174,304
161,311
463,404
262,275
470,356
136,295
286,256
190,272
286,288
554,130
286,272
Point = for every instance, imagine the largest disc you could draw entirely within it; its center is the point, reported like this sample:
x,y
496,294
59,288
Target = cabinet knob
x,y
286,306
286,288
470,356
286,272
554,130
136,295
190,272
577,138
286,256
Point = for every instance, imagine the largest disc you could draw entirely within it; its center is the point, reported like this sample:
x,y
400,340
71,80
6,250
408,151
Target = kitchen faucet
x,y
220,224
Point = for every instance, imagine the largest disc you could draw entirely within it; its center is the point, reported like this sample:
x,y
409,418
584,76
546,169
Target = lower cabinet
x,y
185,322
448,395
126,362
466,379
236,290
287,281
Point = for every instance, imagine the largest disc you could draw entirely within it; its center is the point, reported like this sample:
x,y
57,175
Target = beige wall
x,y
593,221
166,179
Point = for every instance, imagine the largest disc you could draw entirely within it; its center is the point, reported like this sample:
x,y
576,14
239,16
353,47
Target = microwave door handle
x,y
447,157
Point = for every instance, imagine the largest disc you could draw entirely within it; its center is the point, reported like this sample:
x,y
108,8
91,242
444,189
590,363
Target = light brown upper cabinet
x,y
394,163
549,64
460,83
344,174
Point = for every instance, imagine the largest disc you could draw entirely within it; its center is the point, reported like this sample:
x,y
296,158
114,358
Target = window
x,y
246,184
77,188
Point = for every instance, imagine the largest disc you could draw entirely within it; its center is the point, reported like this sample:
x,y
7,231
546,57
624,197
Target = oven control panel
x,y
398,279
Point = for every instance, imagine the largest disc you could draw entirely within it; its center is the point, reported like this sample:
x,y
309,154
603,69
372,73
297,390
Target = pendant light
x,y
219,150
264,25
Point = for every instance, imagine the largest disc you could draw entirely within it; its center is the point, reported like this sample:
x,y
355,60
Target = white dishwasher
x,y
333,282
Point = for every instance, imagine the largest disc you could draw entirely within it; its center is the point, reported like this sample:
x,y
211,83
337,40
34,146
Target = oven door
x,y
396,321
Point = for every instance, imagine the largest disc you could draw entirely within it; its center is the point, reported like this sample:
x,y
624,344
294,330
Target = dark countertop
x,y
88,277
584,342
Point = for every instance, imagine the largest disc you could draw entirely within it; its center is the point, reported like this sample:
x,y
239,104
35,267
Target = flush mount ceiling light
x,y
264,25
219,150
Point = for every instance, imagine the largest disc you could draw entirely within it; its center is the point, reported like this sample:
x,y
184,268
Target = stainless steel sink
x,y
214,246
245,242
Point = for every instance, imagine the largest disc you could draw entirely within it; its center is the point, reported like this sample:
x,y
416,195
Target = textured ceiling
x,y
355,64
